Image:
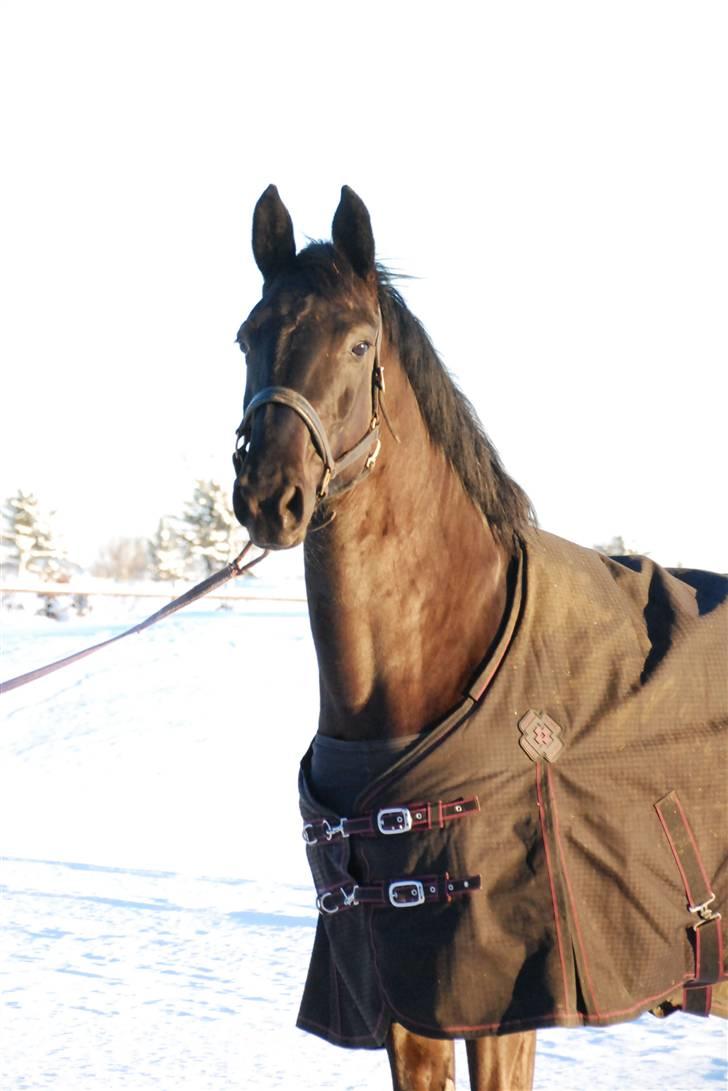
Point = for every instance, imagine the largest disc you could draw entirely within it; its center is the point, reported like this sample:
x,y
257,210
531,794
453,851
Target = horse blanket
x,y
553,852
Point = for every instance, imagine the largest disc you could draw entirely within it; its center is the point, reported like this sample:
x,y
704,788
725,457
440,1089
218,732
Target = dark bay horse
x,y
412,533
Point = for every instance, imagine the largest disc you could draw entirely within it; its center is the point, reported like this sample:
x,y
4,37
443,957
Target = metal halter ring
x,y
349,900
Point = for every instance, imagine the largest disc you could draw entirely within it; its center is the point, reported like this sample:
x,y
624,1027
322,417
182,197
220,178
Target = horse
x,y
448,852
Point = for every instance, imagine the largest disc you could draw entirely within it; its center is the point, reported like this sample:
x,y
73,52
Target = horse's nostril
x,y
292,504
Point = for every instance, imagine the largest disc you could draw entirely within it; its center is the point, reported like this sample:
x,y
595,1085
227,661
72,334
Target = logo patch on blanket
x,y
540,736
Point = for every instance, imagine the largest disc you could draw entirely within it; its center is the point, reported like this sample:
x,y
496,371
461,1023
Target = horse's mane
x,y
452,421
449,417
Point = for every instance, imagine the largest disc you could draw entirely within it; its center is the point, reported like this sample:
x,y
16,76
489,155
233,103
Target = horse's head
x,y
310,427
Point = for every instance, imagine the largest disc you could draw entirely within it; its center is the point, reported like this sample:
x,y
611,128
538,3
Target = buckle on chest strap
x,y
391,820
406,893
396,893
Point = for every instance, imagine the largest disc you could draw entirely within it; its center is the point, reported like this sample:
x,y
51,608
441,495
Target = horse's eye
x,y
361,349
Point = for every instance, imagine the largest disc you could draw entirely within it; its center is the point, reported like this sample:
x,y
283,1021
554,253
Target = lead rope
x,y
230,571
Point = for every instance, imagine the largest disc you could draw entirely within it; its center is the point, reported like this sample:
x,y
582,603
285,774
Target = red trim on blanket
x,y
699,956
692,996
549,869
572,900
693,896
576,1019
694,843
329,1034
676,855
721,955
567,1019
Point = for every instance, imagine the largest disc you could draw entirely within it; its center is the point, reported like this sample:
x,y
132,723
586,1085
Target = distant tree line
x,y
198,541
617,548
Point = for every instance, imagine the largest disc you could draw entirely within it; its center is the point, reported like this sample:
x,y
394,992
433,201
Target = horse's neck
x,y
406,589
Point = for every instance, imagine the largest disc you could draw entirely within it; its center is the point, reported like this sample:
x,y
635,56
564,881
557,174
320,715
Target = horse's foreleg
x,y
502,1064
420,1064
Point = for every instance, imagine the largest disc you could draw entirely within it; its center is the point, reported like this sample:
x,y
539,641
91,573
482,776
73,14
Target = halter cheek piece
x,y
370,443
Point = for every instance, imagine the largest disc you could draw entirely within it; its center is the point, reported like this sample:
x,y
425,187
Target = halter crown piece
x,y
370,443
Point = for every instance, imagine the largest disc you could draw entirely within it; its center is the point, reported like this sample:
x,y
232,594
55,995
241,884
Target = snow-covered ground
x,y
156,913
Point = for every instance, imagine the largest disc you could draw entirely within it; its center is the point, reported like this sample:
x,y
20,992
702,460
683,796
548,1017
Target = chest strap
x,y
406,893
390,821
707,936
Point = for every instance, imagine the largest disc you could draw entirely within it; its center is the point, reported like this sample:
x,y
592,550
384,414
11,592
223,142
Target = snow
x,y
157,914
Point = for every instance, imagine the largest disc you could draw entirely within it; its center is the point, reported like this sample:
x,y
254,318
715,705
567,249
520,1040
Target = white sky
x,y
554,174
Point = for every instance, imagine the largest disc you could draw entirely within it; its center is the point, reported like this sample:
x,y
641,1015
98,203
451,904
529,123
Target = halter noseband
x,y
370,442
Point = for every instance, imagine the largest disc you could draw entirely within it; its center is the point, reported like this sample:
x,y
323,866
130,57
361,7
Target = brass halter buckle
x,y
325,482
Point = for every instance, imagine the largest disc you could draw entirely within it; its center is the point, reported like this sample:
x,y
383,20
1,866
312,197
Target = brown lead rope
x,y
229,572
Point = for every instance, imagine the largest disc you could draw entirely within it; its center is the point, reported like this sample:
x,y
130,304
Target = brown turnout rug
x,y
542,856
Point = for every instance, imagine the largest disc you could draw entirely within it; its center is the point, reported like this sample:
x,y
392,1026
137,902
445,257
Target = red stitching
x,y
541,806
673,849
694,843
573,1019
707,992
329,1033
469,806
698,954
720,949
572,900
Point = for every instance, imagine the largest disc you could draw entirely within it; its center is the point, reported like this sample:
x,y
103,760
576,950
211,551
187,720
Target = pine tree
x,y
170,553
30,542
209,528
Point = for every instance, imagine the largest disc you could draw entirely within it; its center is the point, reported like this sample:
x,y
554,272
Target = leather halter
x,y
370,443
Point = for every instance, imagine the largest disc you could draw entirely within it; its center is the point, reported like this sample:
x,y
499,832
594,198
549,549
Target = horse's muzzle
x,y
273,503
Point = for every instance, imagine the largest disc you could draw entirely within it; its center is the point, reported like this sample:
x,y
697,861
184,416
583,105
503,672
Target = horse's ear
x,y
273,245
351,232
